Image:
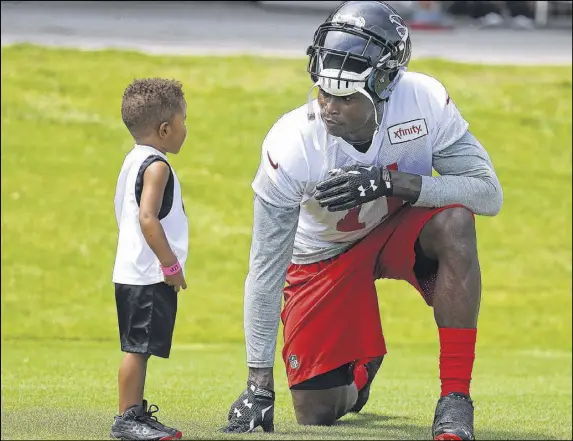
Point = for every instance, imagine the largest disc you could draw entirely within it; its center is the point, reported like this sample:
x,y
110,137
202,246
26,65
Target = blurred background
x,y
439,14
477,31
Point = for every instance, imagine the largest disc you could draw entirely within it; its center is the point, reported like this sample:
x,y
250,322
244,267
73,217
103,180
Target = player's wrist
x,y
262,377
386,183
406,186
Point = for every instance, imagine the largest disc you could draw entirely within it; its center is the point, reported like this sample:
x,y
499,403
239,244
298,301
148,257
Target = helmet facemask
x,y
360,63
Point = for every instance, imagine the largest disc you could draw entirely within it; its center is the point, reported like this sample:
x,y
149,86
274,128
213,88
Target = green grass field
x,y
62,145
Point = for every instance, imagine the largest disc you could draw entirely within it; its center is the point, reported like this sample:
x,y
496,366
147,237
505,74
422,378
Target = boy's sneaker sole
x,y
127,437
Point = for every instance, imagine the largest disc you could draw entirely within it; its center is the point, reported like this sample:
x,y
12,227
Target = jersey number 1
x,y
350,222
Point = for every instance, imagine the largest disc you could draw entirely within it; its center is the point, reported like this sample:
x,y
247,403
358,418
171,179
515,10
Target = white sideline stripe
x,y
219,51
206,346
550,353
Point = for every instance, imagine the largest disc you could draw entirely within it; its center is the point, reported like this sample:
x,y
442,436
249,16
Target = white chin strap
x,y
367,95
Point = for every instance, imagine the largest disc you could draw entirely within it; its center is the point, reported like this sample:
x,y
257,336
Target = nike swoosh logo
x,y
273,164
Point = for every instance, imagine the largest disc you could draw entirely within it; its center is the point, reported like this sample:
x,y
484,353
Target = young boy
x,y
152,247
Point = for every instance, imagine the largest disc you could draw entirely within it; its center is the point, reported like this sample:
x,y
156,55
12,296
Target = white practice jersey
x,y
135,262
297,154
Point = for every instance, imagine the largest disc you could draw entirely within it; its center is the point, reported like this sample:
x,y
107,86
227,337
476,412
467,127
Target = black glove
x,y
254,407
354,185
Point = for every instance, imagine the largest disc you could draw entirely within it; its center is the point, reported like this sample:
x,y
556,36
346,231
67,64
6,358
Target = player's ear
x,y
164,130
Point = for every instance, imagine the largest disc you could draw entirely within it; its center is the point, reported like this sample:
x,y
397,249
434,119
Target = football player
x,y
344,196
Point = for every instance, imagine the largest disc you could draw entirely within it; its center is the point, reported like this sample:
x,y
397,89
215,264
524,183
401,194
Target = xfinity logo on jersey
x,y
407,131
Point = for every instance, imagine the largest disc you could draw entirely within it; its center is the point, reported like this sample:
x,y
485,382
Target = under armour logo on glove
x,y
254,408
354,185
363,190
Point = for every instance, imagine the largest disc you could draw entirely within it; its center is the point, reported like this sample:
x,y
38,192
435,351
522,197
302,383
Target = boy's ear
x,y
164,130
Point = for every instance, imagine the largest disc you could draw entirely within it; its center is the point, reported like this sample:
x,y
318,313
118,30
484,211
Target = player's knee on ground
x,y
321,400
316,414
322,407
451,233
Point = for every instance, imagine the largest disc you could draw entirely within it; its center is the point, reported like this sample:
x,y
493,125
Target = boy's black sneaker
x,y
131,425
152,421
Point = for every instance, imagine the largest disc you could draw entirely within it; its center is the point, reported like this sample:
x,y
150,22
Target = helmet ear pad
x,y
379,81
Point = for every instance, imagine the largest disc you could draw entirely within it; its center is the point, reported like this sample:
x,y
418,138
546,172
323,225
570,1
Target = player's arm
x,y
279,187
274,229
467,177
155,180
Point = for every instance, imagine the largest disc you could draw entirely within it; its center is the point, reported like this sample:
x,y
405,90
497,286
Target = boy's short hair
x,y
148,102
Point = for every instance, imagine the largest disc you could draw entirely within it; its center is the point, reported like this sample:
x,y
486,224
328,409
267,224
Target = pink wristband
x,y
170,270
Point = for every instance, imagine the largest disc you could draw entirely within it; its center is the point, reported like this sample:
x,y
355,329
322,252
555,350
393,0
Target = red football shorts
x,y
331,315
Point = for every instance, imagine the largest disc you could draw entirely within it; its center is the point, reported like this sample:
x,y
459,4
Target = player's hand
x,y
255,407
354,185
177,281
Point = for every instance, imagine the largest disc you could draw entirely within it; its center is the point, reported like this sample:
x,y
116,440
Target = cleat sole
x,y
447,436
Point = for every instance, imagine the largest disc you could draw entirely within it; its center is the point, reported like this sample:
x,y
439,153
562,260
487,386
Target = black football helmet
x,y
362,46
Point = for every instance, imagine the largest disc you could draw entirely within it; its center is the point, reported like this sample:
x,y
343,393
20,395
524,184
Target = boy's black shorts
x,y
146,318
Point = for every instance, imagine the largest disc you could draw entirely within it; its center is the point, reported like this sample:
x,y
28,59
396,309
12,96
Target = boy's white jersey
x,y
136,263
418,121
